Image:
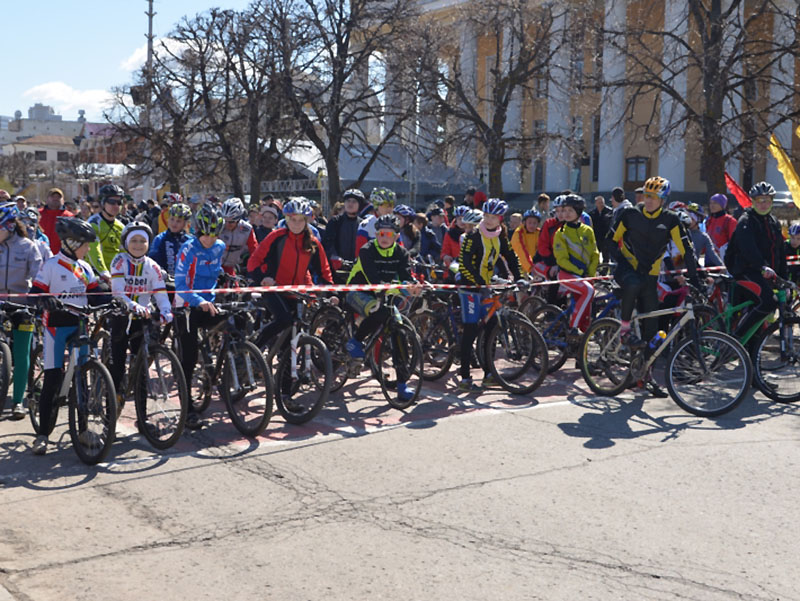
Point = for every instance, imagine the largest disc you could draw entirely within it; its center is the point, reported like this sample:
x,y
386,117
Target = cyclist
x,y
409,236
238,235
198,267
134,278
643,234
383,200
792,249
702,243
167,244
170,198
20,261
719,225
53,209
756,254
481,251
575,251
544,262
68,276
289,255
451,244
108,229
525,239
380,262
340,234
30,218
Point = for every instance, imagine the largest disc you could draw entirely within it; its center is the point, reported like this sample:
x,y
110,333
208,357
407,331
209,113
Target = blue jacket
x,y
197,269
165,249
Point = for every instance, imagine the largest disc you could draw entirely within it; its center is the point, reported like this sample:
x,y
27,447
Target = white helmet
x,y
232,209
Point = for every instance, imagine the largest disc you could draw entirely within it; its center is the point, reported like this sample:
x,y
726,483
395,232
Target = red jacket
x,y
47,221
720,228
451,243
281,257
544,248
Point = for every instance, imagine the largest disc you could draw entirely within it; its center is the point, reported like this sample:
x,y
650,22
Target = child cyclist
x,y
198,267
165,247
381,261
134,278
576,254
69,277
480,252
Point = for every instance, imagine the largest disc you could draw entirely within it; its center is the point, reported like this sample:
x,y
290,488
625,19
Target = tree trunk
x,y
253,154
496,157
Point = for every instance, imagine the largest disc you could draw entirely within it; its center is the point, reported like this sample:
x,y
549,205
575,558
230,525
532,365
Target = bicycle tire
x,y
553,326
100,403
706,394
604,360
530,305
777,375
330,326
524,351
299,400
437,343
411,356
6,363
161,401
249,397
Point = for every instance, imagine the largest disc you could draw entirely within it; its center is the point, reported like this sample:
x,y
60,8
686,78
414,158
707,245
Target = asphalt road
x,y
564,496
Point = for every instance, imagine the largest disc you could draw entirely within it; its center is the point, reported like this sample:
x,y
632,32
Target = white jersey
x,y
68,279
134,281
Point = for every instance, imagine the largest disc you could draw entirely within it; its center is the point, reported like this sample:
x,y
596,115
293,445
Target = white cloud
x,y
138,57
66,100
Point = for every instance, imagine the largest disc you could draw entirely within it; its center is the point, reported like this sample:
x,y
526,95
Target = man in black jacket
x,y
339,239
601,223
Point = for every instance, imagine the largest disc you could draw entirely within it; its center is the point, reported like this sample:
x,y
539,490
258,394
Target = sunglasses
x,y
113,201
95,207
386,233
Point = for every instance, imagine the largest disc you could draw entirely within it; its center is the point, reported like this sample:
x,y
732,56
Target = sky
x,y
69,54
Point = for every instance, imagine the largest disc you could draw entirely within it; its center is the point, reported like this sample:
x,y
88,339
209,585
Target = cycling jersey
x,y
69,279
525,243
47,221
575,249
720,227
376,265
165,248
281,257
241,238
109,237
198,269
135,280
365,232
479,255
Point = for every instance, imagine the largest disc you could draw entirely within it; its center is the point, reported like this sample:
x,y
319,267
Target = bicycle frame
x,y
688,316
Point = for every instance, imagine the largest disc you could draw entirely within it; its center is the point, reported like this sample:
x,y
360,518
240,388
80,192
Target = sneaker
x,y
89,439
489,381
193,421
467,385
355,348
404,391
18,412
40,445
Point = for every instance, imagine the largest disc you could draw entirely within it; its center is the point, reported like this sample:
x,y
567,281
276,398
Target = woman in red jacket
x,y
451,243
287,256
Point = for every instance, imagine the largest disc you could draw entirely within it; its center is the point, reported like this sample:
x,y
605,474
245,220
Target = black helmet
x,y
110,190
387,222
576,202
74,228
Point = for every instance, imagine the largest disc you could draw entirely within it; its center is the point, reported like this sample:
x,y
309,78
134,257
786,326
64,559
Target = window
x,y
40,155
540,85
62,156
636,169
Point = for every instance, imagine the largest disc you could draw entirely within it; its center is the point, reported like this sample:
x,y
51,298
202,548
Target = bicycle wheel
x,y
301,395
437,342
6,363
247,387
92,412
330,326
34,390
399,359
518,355
161,397
530,305
605,361
553,326
776,361
709,376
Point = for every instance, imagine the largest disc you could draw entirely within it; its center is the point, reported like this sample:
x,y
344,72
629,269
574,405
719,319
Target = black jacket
x,y
757,242
339,238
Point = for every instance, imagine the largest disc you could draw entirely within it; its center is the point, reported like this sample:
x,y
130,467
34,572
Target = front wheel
x,y
303,380
92,412
399,365
247,387
5,372
553,324
437,342
776,361
708,375
604,360
518,356
161,396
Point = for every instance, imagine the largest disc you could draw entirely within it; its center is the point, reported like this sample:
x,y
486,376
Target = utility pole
x,y
147,191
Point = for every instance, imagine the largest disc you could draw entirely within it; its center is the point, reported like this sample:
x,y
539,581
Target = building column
x,y
469,80
780,95
557,165
672,155
612,135
511,170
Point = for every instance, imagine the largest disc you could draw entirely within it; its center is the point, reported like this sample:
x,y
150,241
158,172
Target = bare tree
x,y
724,77
20,168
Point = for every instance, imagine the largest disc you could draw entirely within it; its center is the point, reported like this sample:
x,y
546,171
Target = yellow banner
x,y
786,169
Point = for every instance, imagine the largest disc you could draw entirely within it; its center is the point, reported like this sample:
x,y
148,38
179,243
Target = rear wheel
x,y
552,323
301,395
517,355
161,397
437,342
5,372
92,412
776,361
399,365
247,387
34,390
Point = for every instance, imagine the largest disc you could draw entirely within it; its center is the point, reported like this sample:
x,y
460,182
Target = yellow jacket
x,y
575,249
524,244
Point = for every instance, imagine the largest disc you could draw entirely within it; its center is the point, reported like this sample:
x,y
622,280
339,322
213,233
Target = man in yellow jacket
x,y
576,254
525,238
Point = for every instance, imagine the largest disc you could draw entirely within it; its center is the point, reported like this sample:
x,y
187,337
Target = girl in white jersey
x,y
135,277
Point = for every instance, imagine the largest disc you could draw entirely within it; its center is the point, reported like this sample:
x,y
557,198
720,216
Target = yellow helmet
x,y
658,186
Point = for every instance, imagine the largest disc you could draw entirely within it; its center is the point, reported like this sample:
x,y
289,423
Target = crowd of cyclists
x,y
167,263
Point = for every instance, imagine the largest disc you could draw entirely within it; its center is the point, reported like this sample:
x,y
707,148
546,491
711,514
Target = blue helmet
x,y
298,205
532,213
794,229
8,216
461,210
495,206
405,211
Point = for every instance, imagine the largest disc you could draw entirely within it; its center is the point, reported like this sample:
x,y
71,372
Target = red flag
x,y
737,191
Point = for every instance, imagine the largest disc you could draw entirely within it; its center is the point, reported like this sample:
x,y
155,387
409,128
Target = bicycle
x,y
86,388
708,373
235,366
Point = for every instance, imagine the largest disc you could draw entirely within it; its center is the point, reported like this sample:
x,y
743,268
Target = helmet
x,y
794,229
558,201
696,209
136,227
720,199
387,222
676,205
30,216
180,211
684,217
355,194
532,213
473,216
232,209
405,211
74,229
208,222
495,206
366,209
173,197
382,196
461,210
657,186
298,205
8,216
576,202
110,190
762,189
